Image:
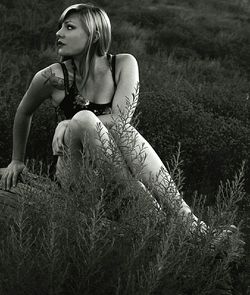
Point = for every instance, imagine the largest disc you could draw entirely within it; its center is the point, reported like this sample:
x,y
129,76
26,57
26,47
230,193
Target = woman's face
x,y
71,38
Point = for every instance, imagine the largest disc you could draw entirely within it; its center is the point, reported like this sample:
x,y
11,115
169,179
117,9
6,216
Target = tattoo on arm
x,y
51,78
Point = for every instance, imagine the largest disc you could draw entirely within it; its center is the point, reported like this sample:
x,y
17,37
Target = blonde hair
x,y
96,23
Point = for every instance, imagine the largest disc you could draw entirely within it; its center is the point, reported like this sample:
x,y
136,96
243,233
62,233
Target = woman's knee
x,y
84,115
83,121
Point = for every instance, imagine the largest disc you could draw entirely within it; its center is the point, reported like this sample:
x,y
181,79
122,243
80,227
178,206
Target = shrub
x,y
202,106
104,234
180,83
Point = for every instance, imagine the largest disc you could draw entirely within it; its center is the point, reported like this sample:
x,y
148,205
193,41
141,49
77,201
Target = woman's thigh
x,y
81,136
83,124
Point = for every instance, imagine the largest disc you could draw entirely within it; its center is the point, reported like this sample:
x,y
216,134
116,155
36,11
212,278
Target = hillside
x,y
194,68
194,63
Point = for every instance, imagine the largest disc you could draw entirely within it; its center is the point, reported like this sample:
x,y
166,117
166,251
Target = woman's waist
x,y
93,105
70,110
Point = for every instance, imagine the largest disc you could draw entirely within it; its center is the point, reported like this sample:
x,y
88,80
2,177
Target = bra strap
x,y
113,63
66,78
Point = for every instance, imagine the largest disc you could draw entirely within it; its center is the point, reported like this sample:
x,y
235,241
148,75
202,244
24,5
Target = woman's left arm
x,y
127,77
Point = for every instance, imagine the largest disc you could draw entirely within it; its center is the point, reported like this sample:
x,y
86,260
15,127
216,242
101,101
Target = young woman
x,y
90,87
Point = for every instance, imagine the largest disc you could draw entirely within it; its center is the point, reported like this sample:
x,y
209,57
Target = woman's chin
x,y
62,52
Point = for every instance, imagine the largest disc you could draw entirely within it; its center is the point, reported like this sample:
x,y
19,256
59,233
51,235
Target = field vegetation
x,y
194,64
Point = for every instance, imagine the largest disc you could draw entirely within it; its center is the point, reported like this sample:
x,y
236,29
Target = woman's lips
x,y
60,43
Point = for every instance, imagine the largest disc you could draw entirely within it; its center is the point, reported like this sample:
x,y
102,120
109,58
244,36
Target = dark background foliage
x,y
194,63
194,68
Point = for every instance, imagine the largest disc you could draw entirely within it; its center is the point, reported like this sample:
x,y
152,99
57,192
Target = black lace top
x,y
73,102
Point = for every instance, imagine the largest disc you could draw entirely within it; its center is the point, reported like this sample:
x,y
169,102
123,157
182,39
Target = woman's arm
x,y
127,77
38,91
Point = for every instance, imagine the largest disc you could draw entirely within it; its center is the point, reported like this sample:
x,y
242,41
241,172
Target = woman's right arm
x,y
40,89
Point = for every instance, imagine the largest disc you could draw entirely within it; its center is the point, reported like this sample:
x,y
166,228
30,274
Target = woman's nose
x,y
59,33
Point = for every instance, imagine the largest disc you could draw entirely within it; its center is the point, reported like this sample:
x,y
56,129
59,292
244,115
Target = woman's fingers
x,y
229,234
57,146
7,181
57,143
230,228
4,180
10,176
14,178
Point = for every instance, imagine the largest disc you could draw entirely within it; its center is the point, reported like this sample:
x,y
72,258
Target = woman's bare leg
x,y
84,125
153,170
153,174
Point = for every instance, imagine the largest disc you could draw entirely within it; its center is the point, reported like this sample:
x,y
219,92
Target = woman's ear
x,y
96,36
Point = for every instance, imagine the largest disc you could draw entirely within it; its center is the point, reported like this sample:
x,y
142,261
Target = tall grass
x,y
105,234
194,72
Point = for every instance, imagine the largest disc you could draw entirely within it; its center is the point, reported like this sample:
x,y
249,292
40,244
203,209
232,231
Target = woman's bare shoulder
x,y
125,58
127,66
43,85
126,63
51,76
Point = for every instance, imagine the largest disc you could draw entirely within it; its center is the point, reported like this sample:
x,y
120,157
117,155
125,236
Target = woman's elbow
x,y
22,112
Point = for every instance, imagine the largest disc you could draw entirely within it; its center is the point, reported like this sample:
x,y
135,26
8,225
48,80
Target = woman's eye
x,y
69,27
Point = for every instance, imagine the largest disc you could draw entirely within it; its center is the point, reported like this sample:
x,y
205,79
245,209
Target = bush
x,y
205,109
194,79
105,235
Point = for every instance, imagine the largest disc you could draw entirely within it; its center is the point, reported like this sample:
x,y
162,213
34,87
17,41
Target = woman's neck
x,y
96,62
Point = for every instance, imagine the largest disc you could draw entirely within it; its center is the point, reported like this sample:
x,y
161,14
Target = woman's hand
x,y
227,234
11,173
58,139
